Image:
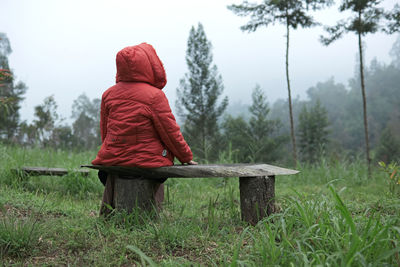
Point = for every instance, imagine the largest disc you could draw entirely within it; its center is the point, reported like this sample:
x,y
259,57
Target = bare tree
x,y
291,13
366,17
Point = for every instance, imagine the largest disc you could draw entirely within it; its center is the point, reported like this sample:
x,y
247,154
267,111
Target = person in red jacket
x,y
137,126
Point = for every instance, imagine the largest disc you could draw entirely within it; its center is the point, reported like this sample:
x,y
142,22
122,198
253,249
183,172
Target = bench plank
x,y
198,171
37,171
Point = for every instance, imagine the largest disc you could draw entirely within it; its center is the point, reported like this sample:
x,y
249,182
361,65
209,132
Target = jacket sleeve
x,y
168,129
103,120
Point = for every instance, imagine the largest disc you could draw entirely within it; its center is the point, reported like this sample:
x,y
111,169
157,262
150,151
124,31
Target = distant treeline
x,y
329,123
342,106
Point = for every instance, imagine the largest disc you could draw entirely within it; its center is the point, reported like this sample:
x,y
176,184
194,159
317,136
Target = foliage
x,y
5,102
393,18
264,143
292,13
389,147
5,76
47,130
11,94
256,140
236,137
393,172
63,138
198,95
313,133
46,118
334,97
367,15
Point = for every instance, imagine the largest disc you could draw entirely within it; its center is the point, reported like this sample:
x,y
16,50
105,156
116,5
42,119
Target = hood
x,y
140,63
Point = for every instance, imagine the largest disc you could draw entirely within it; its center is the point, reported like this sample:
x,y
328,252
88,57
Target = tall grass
x,y
12,158
329,214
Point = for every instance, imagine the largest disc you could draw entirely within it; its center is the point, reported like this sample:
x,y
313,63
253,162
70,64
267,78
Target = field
x,y
329,214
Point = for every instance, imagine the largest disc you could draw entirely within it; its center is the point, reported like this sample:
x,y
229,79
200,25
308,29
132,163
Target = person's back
x,y
137,126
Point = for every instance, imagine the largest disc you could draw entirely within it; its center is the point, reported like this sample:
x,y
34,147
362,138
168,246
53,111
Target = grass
x,y
329,214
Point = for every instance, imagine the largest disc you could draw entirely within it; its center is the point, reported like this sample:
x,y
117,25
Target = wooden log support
x,y
256,182
257,198
135,193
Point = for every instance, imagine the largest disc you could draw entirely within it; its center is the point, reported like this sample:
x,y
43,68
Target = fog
x,y
66,48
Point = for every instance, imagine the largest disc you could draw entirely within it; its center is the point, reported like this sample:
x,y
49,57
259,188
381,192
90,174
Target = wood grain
x,y
198,171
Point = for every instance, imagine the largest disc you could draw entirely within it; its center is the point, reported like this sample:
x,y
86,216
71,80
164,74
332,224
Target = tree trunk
x,y
130,194
364,98
257,197
290,95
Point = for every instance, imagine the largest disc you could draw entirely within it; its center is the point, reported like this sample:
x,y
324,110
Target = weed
x,y
144,260
393,172
19,236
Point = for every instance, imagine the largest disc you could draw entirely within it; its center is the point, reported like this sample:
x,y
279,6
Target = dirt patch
x,y
9,210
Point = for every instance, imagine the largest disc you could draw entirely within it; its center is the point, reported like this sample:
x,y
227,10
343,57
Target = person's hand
x,y
192,163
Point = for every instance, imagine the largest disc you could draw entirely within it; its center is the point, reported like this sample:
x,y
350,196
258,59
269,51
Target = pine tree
x,y
11,94
313,133
256,140
366,19
236,137
291,13
264,143
198,94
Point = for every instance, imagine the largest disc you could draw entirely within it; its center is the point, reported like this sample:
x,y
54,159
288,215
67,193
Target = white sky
x,y
64,48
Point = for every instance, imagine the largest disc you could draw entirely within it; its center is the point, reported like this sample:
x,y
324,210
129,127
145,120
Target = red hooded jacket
x,y
136,123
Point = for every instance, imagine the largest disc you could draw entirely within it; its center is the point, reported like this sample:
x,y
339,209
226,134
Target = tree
x,y
393,19
27,134
62,137
389,147
197,96
45,120
291,13
86,127
236,137
334,97
10,93
313,133
256,140
264,143
45,130
366,19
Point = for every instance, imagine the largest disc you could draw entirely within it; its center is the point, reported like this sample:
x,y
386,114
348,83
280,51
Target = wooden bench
x,y
39,171
256,184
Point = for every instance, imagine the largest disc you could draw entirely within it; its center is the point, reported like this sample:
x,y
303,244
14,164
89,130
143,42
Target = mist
x,y
66,48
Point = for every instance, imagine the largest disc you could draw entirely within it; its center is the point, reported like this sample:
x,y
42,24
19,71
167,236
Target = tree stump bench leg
x,y
129,193
257,197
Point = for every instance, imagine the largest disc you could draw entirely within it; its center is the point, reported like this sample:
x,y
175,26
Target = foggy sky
x,y
66,48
